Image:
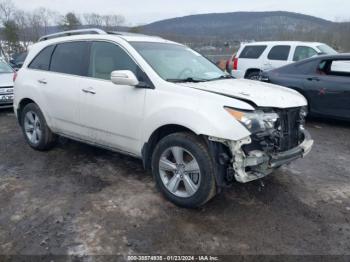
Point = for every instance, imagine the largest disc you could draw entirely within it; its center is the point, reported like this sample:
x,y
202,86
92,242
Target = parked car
x,y
6,84
323,80
253,58
17,60
194,126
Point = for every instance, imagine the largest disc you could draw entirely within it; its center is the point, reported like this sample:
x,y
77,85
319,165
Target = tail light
x,y
235,63
14,76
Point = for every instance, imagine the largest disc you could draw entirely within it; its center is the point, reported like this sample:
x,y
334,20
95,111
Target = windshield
x,y
5,68
177,63
325,49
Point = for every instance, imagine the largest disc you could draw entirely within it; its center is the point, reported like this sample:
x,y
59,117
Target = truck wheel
x,y
254,75
35,130
183,170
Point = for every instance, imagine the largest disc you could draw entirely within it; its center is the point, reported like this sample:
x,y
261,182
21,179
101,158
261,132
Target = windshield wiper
x,y
222,77
184,80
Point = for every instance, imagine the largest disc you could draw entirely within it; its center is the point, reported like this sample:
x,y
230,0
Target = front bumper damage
x,y
258,164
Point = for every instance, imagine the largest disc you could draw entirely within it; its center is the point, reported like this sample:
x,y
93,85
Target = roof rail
x,y
124,33
73,32
120,33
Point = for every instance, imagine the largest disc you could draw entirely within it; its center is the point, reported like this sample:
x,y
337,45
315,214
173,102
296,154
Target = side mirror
x,y
124,77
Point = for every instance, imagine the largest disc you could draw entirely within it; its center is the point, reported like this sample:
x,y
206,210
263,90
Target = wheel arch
x,y
250,70
21,105
156,136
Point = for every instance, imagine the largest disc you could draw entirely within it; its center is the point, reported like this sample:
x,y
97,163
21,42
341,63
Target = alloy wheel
x,y
180,172
32,127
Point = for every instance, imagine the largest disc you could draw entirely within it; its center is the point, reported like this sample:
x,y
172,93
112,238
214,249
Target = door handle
x,y
42,81
313,79
89,91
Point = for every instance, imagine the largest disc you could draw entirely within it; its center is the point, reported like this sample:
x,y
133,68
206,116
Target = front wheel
x,y
183,170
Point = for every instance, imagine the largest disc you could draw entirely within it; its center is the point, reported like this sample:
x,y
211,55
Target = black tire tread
x,y
197,141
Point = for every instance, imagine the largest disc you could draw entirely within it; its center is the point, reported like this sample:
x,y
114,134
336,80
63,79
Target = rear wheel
x,y
253,75
183,170
35,130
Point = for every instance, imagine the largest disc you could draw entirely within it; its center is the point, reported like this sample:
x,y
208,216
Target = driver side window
x,y
107,57
303,52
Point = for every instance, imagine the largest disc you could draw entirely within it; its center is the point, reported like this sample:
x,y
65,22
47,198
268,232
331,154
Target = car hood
x,y
260,93
6,79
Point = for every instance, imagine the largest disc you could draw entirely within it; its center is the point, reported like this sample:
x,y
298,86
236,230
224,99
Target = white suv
x,y
194,126
253,58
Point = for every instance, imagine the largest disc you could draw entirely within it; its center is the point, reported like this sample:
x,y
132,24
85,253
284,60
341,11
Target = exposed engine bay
x,y
278,137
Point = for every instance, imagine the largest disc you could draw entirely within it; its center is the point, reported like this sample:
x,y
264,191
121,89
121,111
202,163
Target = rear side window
x,y
303,52
279,52
252,52
42,60
71,58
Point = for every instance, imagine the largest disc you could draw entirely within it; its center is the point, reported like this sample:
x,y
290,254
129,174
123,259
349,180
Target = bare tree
x,y
111,22
7,10
93,19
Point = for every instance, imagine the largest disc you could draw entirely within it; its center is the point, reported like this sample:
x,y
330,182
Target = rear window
x,y
71,58
252,52
279,52
42,60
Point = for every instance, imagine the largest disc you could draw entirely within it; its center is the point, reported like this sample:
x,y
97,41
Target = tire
x,y
254,75
35,130
194,188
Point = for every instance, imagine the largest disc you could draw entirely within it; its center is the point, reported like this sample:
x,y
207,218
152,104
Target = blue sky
x,y
138,12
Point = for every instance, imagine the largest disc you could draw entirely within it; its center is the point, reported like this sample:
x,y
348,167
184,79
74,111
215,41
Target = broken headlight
x,y
254,121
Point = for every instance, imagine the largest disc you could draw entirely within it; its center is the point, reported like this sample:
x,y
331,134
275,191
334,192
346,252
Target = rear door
x,y
330,86
61,86
278,56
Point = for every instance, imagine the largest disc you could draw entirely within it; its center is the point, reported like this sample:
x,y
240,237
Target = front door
x,y
112,114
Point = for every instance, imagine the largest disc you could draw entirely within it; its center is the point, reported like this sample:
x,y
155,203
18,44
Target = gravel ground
x,y
80,200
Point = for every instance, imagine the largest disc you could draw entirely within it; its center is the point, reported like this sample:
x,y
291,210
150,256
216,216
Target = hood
x,y
260,93
6,79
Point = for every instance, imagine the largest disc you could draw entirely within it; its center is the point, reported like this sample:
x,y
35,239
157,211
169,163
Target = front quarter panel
x,y
199,111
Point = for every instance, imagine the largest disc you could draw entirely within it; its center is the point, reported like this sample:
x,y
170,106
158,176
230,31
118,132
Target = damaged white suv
x,y
194,126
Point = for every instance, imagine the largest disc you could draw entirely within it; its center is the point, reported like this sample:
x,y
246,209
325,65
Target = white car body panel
x,y
6,80
124,117
261,94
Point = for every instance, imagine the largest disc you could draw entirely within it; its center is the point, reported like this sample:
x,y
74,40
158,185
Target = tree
x,y
11,33
93,19
111,22
6,10
70,21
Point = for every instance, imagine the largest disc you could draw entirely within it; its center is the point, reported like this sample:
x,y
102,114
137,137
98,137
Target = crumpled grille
x,y
290,131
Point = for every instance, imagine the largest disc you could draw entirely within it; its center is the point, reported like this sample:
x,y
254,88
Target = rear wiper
x,y
189,79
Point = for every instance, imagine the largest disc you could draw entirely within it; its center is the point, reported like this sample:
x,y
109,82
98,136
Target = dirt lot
x,y
80,200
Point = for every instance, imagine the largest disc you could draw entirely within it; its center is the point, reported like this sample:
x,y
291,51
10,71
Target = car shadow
x,y
328,121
